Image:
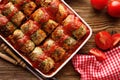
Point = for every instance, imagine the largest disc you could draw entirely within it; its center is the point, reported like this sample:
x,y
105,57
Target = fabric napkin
x,y
91,69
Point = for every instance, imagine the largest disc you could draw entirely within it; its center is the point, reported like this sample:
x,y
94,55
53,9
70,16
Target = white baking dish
x,y
66,61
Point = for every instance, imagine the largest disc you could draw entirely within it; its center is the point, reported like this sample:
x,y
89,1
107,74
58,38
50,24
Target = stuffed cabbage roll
x,y
58,54
25,45
18,18
48,44
8,29
74,27
72,22
58,33
40,15
38,36
80,32
9,10
28,8
49,26
17,34
36,54
22,42
68,43
46,65
61,13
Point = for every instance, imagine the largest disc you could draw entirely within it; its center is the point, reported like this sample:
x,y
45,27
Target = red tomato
x,y
114,8
99,4
103,40
98,54
116,39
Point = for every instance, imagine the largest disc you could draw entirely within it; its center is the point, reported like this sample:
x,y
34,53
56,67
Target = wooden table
x,y
94,18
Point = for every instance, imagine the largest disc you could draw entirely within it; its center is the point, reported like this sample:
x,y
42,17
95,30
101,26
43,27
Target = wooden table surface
x,y
94,18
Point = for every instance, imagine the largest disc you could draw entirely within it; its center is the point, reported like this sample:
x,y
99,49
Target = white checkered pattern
x,y
91,69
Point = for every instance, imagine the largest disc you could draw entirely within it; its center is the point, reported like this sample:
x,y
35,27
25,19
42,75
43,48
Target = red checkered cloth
x,y
91,69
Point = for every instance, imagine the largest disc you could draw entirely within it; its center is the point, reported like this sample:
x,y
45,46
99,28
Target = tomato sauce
x,y
3,21
46,16
2,4
48,53
61,40
53,8
22,40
